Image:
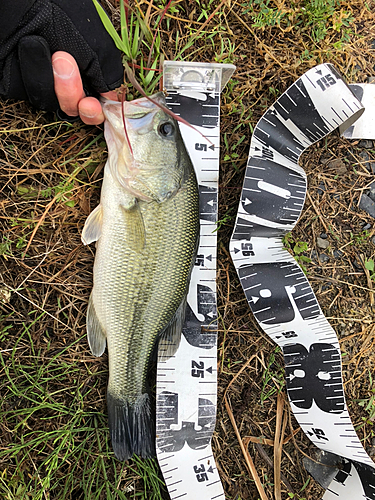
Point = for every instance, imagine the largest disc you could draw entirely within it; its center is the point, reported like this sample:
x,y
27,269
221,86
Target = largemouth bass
x,y
147,229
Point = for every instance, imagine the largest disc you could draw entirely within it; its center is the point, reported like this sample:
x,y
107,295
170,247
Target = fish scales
x,y
146,228
138,300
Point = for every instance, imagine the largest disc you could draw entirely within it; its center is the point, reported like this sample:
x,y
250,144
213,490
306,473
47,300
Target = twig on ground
x,y
246,454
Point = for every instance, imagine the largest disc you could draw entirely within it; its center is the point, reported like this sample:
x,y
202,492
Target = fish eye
x,y
166,129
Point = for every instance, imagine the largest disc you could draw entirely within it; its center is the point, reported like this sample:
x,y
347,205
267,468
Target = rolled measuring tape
x,y
276,288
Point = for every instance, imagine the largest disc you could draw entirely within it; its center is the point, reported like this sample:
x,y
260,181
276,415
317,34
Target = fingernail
x,y
62,67
88,115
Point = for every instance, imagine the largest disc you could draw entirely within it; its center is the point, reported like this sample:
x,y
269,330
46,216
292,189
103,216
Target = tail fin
x,y
131,427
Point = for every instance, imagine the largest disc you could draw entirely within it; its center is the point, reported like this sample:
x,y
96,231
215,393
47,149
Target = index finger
x,y
90,109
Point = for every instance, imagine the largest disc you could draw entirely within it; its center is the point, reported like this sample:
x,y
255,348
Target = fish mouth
x,y
139,107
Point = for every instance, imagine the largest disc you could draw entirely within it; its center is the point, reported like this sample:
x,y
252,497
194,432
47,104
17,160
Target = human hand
x,y
70,94
51,49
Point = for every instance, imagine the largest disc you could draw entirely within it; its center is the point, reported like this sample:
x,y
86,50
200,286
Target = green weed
x,y
322,16
226,52
140,42
296,496
141,50
318,18
359,239
273,377
237,107
229,89
297,249
370,265
13,488
223,221
368,404
64,190
5,247
274,92
232,154
263,13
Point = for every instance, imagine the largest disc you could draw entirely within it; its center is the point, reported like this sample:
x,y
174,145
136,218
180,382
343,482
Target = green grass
x,y
139,40
368,405
320,18
55,443
273,377
297,248
359,239
225,219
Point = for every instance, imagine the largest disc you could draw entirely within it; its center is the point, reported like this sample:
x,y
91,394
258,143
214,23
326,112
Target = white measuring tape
x,y
277,290
186,388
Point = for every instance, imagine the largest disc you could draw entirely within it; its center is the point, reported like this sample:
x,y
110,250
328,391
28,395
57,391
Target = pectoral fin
x,y
170,338
93,226
95,332
136,237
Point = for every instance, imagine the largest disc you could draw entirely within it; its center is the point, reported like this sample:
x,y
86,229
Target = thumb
x,y
68,82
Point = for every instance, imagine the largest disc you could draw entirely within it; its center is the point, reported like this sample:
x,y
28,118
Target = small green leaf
x,y
135,46
124,31
300,247
369,264
151,74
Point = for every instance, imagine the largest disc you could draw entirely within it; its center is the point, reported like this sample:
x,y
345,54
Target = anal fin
x,y
95,333
170,338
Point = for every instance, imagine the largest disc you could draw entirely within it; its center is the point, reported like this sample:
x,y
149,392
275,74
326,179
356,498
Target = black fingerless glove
x,y
32,30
